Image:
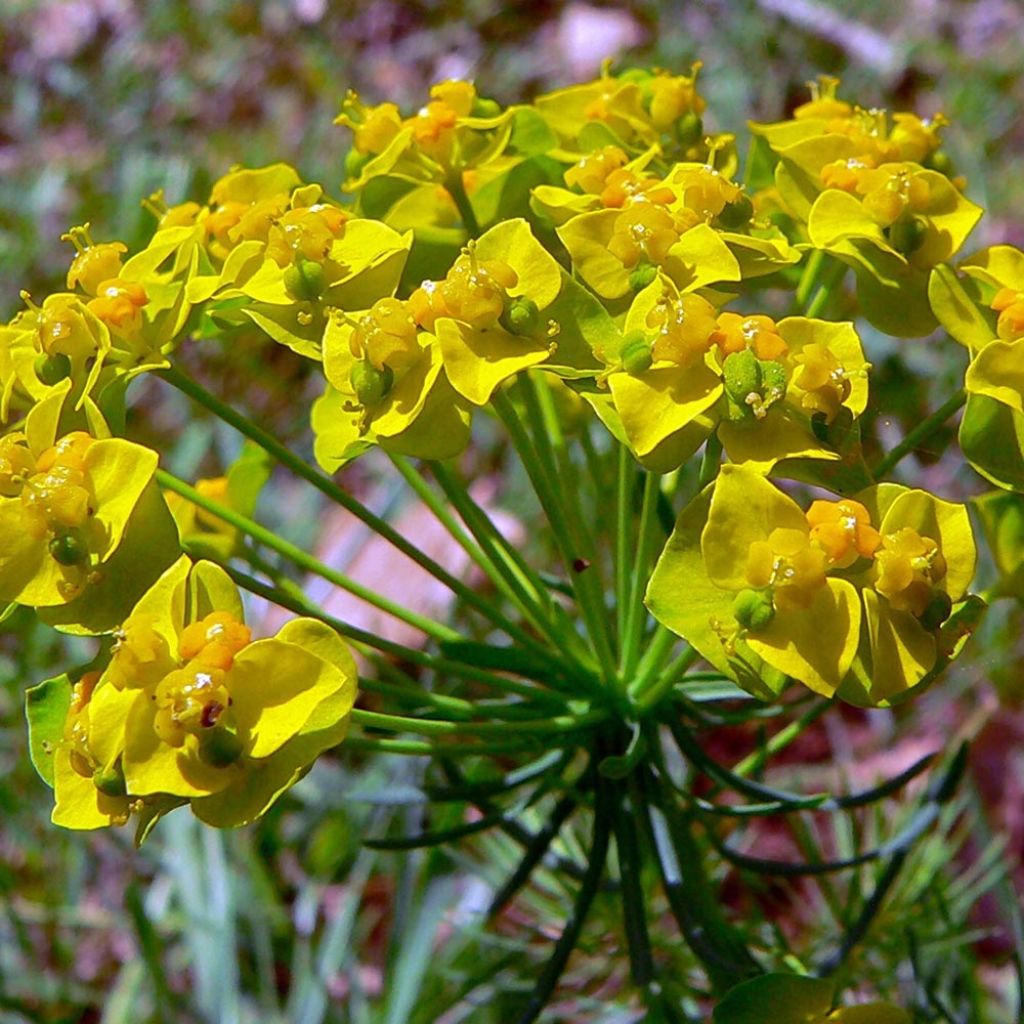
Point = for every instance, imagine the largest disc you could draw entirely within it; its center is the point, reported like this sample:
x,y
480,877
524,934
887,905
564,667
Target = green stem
x,y
538,460
420,748
432,727
710,462
636,613
649,698
781,739
921,432
623,521
289,595
299,558
809,277
510,572
457,190
326,486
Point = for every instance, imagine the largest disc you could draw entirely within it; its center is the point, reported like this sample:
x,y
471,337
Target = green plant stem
x,y
457,190
326,486
832,276
421,748
540,470
781,739
711,461
550,726
809,277
921,432
559,958
650,697
636,613
653,661
299,558
554,455
510,572
625,480
290,596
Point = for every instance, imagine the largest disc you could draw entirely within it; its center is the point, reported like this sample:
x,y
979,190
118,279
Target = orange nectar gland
x,y
93,263
823,379
789,565
57,495
888,193
643,231
381,125
193,698
683,328
1009,304
386,336
737,332
475,291
846,174
306,233
843,530
16,464
909,567
76,725
592,171
119,303
140,656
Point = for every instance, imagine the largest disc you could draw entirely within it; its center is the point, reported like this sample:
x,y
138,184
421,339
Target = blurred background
x,y
104,101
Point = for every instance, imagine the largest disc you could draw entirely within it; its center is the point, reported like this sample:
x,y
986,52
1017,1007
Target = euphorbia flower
x,y
745,579
191,708
65,501
494,314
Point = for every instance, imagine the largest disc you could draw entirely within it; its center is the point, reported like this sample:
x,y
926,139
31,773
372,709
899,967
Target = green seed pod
x,y
907,234
110,781
742,375
773,380
483,107
642,275
636,352
219,746
53,369
355,162
737,213
304,280
370,384
522,317
690,129
753,609
938,609
69,548
939,161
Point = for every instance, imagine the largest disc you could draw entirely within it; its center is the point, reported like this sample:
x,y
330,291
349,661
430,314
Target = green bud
x,y
219,746
636,353
937,610
642,275
753,609
690,129
304,280
370,384
521,317
53,369
737,213
69,548
906,235
741,375
110,781
483,107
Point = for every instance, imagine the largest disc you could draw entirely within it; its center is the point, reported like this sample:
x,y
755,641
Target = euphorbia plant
x,y
669,347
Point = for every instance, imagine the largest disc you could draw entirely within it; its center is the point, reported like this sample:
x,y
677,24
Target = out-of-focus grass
x,y
103,101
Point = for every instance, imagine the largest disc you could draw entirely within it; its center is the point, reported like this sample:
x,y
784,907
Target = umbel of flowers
x,y
596,270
